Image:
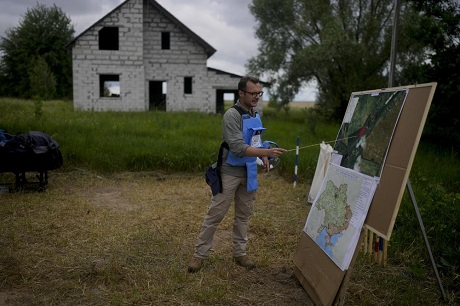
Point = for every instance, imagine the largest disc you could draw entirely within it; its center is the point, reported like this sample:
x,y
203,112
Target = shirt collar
x,y
251,112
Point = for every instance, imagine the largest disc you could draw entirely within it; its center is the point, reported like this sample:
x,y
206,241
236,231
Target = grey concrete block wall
x,y
141,59
185,58
89,62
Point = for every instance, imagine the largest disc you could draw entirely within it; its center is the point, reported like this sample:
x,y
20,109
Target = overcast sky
x,y
227,25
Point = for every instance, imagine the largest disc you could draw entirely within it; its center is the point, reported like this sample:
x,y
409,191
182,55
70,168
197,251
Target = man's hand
x,y
275,152
272,153
266,164
262,152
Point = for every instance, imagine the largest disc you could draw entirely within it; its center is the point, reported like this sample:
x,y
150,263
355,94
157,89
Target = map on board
x,y
338,212
367,129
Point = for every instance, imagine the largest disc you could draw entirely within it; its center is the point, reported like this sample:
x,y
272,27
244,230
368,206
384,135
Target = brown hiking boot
x,y
195,264
245,262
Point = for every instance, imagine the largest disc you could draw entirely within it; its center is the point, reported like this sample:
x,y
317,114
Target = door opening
x,y
157,95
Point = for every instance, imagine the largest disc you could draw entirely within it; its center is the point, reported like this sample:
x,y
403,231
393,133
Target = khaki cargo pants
x,y
233,187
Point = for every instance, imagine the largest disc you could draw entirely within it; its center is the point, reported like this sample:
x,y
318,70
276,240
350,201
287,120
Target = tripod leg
x,y
427,244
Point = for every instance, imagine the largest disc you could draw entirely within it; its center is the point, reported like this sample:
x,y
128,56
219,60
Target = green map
x,y
337,214
367,128
337,211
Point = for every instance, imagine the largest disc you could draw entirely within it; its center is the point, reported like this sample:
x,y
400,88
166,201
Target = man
x,y
242,130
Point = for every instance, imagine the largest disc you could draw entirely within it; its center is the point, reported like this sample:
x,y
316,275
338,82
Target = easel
x,y
427,244
323,281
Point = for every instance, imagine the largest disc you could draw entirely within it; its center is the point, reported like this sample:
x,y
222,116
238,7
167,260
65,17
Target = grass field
x,y
118,222
126,239
297,104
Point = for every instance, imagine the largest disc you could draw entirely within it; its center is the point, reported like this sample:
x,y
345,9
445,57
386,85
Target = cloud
x,y
227,25
83,13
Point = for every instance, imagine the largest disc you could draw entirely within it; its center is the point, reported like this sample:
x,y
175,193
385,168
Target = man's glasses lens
x,y
254,94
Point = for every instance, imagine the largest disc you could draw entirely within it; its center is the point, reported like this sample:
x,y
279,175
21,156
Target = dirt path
x,y
90,238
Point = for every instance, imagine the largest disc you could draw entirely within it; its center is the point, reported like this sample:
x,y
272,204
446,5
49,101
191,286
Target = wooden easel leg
x,y
370,242
366,233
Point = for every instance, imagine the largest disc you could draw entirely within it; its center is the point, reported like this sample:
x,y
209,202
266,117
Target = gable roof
x,y
217,71
232,75
207,47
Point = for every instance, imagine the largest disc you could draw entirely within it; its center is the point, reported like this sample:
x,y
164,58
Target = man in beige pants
x,y
241,129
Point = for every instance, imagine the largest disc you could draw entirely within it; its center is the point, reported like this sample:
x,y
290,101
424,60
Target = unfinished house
x,y
139,57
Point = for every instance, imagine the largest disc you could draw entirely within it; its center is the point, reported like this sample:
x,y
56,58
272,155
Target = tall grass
x,y
116,141
435,178
110,142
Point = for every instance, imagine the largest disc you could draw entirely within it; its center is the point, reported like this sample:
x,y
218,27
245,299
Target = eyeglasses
x,y
254,94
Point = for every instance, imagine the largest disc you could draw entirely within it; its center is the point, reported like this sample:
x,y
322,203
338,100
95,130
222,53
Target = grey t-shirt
x,y
232,125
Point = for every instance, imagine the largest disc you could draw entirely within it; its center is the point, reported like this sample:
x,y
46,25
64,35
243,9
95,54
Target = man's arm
x,y
261,152
231,129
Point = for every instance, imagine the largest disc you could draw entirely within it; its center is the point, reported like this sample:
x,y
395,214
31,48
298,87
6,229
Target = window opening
x,y
109,85
108,38
165,41
187,85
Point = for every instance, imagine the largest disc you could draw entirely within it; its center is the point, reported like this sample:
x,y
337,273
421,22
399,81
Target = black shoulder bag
x,y
212,175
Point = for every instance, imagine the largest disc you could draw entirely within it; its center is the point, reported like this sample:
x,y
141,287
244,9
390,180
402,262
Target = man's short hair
x,y
244,80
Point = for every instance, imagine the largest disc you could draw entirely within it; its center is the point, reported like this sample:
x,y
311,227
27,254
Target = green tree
x,y
43,32
42,84
437,30
42,80
343,45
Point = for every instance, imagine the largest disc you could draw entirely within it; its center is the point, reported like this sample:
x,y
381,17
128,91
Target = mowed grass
x,y
118,222
126,239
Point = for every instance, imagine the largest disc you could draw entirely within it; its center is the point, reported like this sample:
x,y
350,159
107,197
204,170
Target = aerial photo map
x,y
338,212
367,130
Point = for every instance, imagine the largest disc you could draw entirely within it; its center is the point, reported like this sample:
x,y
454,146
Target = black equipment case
x,y
31,152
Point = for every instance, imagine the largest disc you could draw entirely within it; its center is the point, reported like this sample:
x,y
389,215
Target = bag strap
x,y
225,145
221,151
239,109
219,162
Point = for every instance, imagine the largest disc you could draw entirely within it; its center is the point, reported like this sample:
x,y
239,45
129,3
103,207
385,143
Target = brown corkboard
x,y
387,199
323,281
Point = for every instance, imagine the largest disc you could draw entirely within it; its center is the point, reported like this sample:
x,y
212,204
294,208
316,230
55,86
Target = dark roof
x,y
207,47
232,75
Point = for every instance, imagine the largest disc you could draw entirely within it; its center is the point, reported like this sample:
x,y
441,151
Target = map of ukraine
x,y
337,217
